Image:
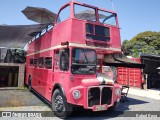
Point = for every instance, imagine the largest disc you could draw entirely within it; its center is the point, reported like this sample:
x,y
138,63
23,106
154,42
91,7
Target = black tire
x,y
114,107
29,85
60,106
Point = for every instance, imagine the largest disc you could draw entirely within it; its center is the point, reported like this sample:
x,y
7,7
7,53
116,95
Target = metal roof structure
x,y
17,36
39,15
120,60
150,56
152,62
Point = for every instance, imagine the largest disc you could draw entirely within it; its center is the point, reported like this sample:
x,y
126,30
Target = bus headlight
x,y
76,94
118,91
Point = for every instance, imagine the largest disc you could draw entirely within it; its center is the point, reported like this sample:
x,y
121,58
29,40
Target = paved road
x,y
33,103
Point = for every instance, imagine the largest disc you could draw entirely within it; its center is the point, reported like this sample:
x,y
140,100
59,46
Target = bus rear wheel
x,y
60,106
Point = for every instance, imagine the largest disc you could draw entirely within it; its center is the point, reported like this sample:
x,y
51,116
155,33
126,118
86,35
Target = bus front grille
x,y
106,96
93,96
99,96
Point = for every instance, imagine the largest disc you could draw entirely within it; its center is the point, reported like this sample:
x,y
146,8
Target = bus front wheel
x,y
114,107
60,106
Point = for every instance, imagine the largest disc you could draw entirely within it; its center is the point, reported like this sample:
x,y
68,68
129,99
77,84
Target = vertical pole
x,y
112,5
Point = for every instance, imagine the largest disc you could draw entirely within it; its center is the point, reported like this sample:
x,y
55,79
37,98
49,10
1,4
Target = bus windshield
x,y
83,61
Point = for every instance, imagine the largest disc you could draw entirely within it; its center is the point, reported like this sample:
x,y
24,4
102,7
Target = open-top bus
x,y
61,63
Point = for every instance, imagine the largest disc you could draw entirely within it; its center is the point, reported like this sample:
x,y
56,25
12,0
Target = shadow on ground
x,y
17,98
132,101
123,110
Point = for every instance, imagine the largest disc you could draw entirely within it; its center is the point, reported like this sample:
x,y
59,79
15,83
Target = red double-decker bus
x,y
61,64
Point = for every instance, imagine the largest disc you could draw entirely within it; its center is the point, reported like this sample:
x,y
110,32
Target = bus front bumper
x,y
97,98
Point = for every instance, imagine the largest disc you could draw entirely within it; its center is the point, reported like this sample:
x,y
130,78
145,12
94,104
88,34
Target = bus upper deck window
x,y
85,13
107,18
63,15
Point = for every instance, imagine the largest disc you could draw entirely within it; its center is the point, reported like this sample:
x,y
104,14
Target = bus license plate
x,y
99,108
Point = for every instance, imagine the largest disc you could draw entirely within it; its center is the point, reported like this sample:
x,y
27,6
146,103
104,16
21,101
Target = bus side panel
x,y
115,37
47,77
48,84
61,32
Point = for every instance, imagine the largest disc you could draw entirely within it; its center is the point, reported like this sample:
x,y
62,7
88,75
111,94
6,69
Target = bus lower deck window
x,y
48,62
41,62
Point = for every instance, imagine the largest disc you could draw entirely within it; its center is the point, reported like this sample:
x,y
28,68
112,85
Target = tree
x,y
149,50
146,42
126,47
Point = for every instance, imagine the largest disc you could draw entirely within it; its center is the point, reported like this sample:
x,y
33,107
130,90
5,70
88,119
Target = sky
x,y
134,16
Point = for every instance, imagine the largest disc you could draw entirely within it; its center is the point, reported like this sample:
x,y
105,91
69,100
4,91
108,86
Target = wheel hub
x,y
59,103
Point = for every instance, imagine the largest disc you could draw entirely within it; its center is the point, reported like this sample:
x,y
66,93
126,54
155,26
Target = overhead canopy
x,y
152,61
16,36
40,15
120,60
150,56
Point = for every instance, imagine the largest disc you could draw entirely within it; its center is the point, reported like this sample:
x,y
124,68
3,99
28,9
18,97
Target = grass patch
x,y
22,88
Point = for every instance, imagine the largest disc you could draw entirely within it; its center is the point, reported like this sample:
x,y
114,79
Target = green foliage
x,y
149,50
145,42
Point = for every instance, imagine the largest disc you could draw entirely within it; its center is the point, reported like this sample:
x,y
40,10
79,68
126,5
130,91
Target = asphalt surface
x,y
22,100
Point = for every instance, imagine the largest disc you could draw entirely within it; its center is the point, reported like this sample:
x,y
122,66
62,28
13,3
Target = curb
x,y
149,93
